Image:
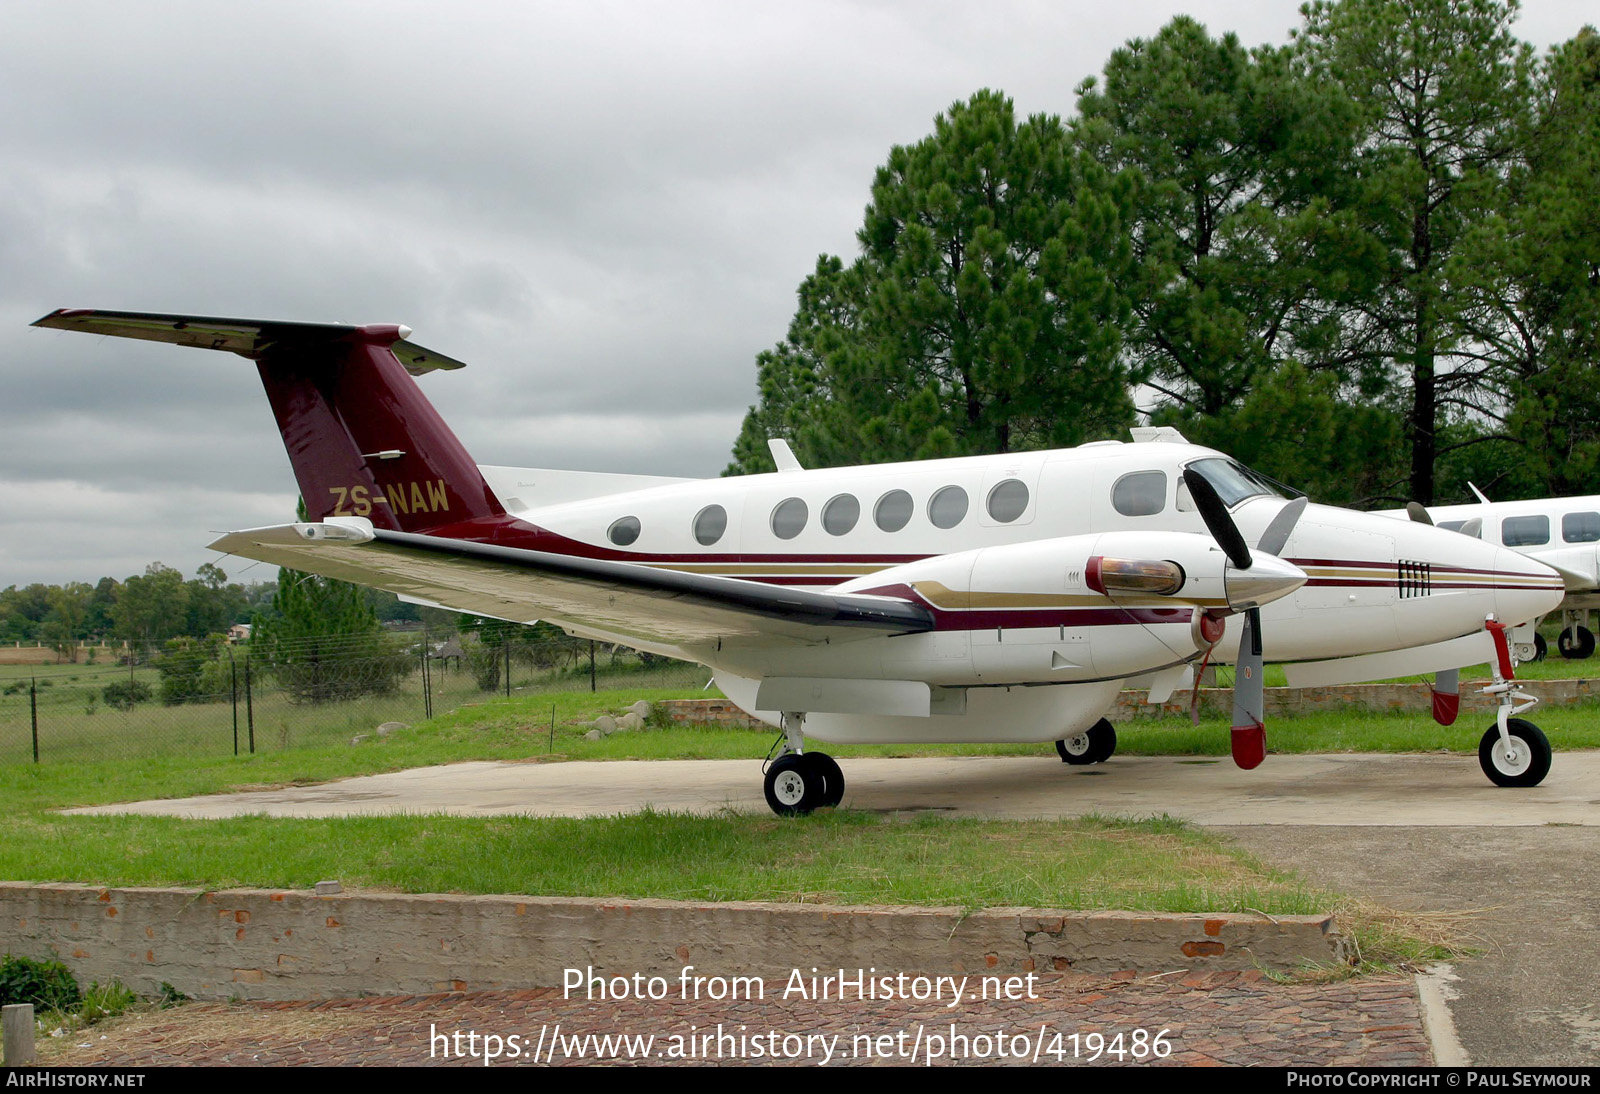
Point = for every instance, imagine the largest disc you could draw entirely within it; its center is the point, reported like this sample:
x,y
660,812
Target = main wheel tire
x,y
1088,746
1540,647
832,778
1528,761
1575,643
795,785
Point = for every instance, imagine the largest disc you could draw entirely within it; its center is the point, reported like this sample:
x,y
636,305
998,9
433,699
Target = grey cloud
x,y
604,208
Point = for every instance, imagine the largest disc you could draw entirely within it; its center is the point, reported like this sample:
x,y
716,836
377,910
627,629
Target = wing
x,y
641,606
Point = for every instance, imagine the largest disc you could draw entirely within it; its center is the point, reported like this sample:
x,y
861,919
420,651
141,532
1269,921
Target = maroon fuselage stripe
x,y
513,532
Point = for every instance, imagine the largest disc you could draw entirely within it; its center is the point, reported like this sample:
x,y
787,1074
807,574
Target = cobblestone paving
x,y
1216,1018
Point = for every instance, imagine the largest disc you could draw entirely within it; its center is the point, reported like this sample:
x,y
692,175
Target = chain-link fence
x,y
213,699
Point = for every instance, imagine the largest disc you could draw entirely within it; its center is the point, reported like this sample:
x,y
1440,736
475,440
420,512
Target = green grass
x,y
834,856
76,724
837,857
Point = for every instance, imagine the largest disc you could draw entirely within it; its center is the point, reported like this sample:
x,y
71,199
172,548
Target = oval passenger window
x,y
947,507
709,524
893,511
840,514
1008,500
623,532
789,518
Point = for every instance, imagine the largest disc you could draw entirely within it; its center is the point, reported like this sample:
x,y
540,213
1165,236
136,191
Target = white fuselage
x,y
995,546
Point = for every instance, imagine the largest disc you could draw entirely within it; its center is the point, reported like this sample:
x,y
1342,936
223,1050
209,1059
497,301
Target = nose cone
x,y
1268,578
1524,588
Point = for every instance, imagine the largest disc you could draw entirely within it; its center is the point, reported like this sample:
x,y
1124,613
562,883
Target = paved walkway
x,y
1218,1018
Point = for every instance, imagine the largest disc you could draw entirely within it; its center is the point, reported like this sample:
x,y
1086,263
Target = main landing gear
x,y
1089,746
1575,642
798,782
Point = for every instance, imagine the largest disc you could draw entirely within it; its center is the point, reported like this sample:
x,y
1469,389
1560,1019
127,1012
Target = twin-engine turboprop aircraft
x,y
987,598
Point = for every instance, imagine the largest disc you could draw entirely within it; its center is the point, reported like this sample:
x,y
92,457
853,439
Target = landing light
x,y
1121,575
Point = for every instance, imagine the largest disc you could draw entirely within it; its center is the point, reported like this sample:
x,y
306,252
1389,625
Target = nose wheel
x,y
1520,758
1088,746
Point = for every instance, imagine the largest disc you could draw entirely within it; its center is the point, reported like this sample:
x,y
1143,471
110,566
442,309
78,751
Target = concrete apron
x,y
1323,789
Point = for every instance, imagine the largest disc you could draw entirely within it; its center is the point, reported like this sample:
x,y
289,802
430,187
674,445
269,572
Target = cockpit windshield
x,y
1234,482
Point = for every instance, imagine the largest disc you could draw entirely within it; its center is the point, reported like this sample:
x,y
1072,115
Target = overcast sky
x,y
604,208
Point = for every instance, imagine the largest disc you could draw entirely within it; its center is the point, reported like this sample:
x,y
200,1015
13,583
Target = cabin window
x,y
789,518
1473,527
893,511
1141,494
1525,531
709,524
947,507
1581,527
1008,500
840,514
623,532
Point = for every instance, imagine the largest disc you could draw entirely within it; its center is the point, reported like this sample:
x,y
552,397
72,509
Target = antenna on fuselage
x,y
783,455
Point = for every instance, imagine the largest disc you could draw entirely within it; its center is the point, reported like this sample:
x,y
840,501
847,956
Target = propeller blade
x,y
1249,697
1218,522
1418,512
1277,533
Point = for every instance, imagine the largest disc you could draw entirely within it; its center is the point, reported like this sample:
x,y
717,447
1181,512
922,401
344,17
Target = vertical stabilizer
x,y
365,442
362,438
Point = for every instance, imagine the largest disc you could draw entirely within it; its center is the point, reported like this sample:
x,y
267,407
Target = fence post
x,y
17,1020
249,706
427,678
233,680
507,648
33,709
592,685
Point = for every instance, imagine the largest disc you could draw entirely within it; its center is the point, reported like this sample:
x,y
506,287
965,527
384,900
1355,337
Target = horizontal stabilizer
x,y
247,337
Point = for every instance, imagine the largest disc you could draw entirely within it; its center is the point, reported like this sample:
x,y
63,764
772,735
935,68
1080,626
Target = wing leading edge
x,y
637,604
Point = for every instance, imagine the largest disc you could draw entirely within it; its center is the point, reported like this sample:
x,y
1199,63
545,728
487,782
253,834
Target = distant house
x,y
239,632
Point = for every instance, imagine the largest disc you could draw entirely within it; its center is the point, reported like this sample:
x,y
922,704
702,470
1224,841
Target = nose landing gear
x,y
1514,752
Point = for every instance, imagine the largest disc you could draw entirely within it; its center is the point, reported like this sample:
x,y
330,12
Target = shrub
x,y
48,985
183,669
126,694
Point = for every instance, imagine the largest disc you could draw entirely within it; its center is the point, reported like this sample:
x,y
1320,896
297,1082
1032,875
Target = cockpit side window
x,y
1140,494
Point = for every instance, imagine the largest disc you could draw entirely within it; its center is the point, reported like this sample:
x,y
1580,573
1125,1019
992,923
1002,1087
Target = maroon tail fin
x,y
365,442
363,439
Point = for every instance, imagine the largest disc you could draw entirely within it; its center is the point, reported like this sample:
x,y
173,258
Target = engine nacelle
x,y
1109,605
